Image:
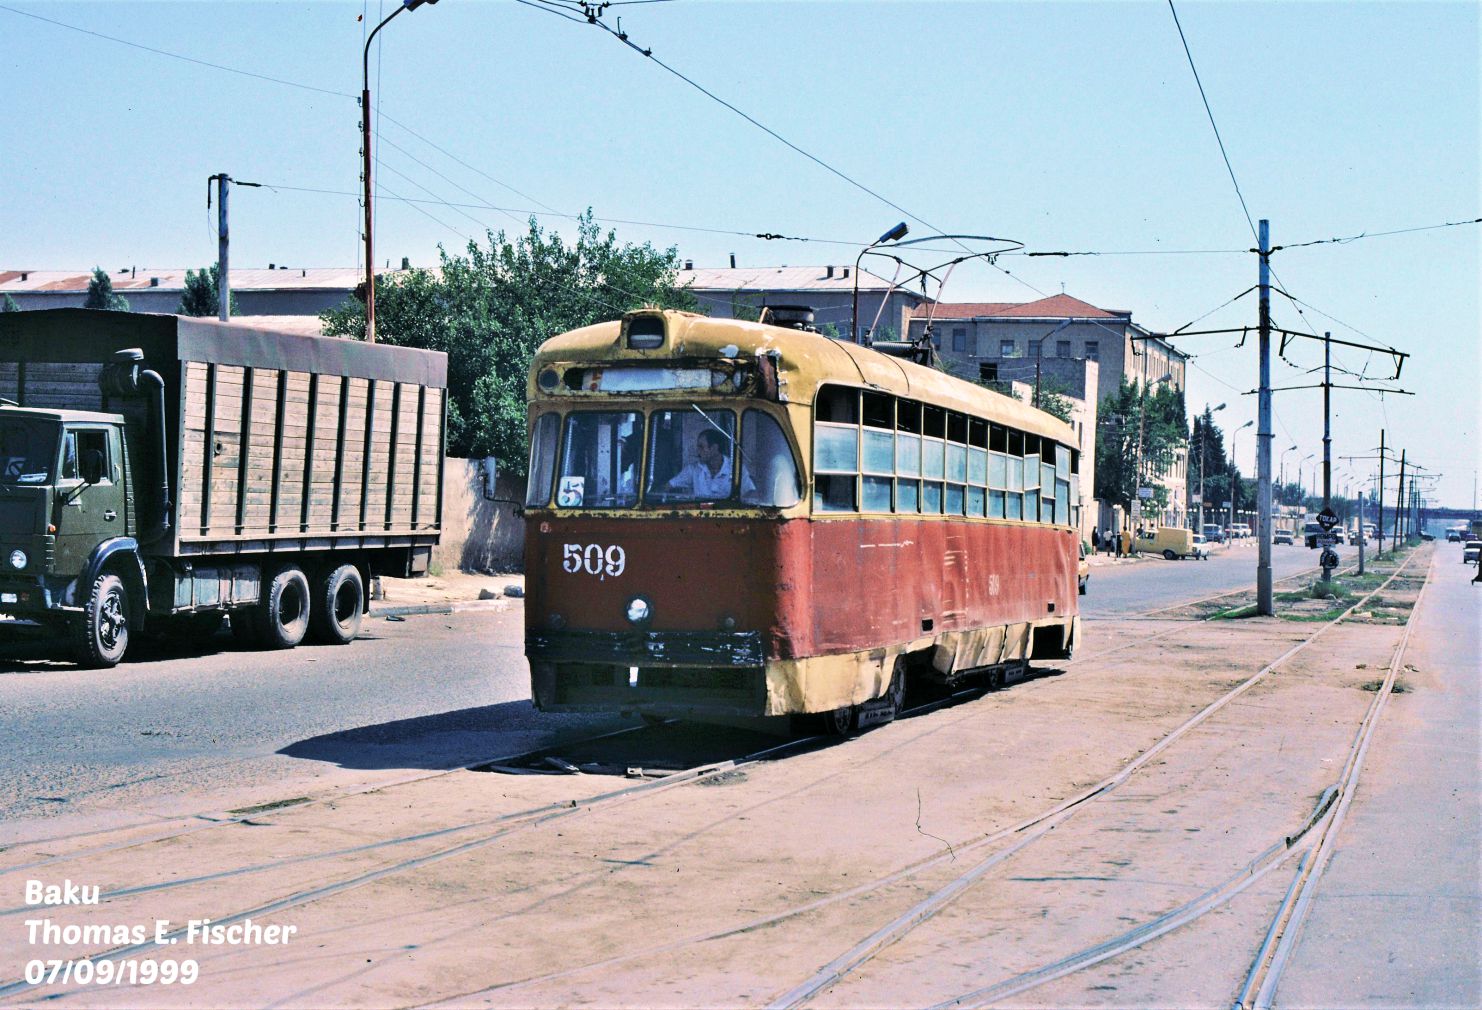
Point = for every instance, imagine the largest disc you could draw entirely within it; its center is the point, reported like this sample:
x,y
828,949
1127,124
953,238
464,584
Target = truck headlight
x,y
18,559
638,610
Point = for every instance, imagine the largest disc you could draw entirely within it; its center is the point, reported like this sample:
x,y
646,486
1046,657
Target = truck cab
x,y
65,493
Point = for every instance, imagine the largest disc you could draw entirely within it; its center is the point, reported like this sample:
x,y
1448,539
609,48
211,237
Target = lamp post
x,y
1203,436
1233,435
893,235
1282,479
365,143
1301,487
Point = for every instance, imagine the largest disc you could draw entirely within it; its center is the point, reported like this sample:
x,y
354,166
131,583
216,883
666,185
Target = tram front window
x,y
599,460
692,456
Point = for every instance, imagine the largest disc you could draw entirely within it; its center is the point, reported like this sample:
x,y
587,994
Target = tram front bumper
x,y
672,673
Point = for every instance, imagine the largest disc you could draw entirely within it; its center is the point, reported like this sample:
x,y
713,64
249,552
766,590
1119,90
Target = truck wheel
x,y
102,635
282,617
339,602
1170,555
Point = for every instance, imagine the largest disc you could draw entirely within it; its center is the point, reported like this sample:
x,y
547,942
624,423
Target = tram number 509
x,y
594,559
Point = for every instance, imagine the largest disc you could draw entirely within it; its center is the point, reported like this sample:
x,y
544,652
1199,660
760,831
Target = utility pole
x,y
1379,497
1327,432
1399,500
1265,603
1363,536
223,284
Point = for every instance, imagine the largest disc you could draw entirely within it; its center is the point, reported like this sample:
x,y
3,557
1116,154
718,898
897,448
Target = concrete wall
x,y
480,535
249,303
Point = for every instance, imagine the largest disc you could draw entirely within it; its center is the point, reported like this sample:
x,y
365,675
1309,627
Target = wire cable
x,y
1209,112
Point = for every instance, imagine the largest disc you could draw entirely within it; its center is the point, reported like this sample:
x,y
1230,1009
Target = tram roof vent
x,y
794,317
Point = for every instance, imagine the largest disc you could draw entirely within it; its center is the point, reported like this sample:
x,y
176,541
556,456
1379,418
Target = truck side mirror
x,y
91,466
489,472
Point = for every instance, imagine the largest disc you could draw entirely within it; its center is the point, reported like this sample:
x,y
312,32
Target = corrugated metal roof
x,y
173,279
1054,307
824,278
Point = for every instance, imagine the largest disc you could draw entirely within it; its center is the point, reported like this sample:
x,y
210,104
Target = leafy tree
x,y
491,308
201,296
100,293
1130,417
9,305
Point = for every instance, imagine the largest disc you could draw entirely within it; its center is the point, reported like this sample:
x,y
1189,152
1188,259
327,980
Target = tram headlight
x,y
639,610
18,559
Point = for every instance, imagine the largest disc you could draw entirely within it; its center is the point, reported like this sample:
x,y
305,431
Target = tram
x,y
727,518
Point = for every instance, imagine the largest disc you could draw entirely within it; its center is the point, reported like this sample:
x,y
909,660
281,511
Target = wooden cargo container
x,y
275,446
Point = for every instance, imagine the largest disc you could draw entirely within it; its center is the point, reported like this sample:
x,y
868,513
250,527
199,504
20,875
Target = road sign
x,y
1144,492
1330,539
1327,519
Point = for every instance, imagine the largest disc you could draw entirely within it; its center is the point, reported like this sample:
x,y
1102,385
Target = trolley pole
x,y
1265,603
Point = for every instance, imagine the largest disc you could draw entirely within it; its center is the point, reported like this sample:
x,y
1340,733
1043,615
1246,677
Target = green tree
x,y
1133,418
201,296
9,305
100,293
490,309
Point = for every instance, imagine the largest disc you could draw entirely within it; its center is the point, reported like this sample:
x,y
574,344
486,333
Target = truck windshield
x,y
28,450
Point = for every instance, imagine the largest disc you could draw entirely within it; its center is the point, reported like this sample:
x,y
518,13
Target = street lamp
x,y
1282,478
1301,487
1203,435
893,235
1233,436
365,143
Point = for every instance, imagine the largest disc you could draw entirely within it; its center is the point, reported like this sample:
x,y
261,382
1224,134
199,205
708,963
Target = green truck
x,y
161,472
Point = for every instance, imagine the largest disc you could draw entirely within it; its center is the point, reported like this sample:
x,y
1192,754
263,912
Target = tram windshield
x,y
692,455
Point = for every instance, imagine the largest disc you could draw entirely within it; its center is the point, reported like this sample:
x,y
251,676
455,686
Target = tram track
x,y
545,814
1019,835
1041,825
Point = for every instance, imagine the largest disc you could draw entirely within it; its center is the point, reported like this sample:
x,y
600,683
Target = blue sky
x,y
1063,126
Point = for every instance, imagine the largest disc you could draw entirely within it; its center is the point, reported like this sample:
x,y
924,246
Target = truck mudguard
x,y
105,552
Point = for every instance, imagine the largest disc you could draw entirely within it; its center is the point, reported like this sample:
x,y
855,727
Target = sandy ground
x,y
479,889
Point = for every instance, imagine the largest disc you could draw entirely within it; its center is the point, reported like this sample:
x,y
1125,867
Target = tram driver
x,y
709,476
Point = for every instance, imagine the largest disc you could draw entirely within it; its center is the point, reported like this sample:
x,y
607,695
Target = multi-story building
x,y
1051,338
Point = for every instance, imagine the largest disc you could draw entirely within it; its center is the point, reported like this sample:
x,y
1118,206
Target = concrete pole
x,y
1327,431
1399,500
1361,534
1379,497
1265,603
223,276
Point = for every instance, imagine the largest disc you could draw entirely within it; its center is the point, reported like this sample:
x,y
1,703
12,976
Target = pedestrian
x,y
1095,541
1119,545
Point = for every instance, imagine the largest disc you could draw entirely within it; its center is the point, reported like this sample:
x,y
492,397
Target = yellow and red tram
x,y
728,519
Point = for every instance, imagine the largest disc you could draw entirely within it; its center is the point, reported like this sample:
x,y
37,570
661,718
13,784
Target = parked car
x,y
1083,571
1470,551
1173,542
1286,537
1201,547
1213,533
1242,530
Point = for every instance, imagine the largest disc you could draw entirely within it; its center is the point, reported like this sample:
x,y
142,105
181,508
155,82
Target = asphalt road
x,y
1119,590
167,728
155,734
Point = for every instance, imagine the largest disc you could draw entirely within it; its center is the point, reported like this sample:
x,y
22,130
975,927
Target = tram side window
x,y
1048,512
691,456
977,467
1031,478
877,453
599,460
907,456
542,460
836,449
998,484
1014,498
767,458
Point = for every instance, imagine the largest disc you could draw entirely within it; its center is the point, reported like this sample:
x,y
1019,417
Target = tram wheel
x,y
840,722
896,692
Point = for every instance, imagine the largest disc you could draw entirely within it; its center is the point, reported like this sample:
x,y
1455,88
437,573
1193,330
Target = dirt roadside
x,y
526,890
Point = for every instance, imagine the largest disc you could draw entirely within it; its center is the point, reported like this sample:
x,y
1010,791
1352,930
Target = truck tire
x,y
101,636
282,617
339,602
